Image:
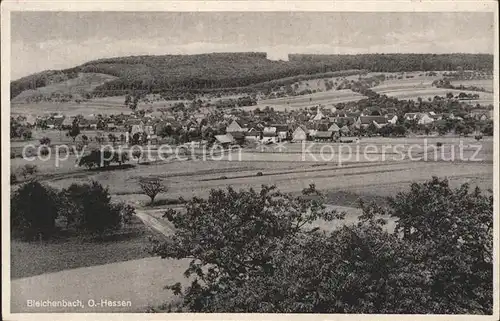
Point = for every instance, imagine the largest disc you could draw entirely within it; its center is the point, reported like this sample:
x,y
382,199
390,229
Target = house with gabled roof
x,y
334,128
67,122
341,121
29,120
234,126
411,116
391,118
224,140
319,115
269,134
324,136
55,122
281,131
299,134
253,134
425,119
344,130
365,121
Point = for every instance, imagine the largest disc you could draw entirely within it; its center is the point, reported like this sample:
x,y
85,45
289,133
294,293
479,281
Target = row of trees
x,y
263,254
103,159
441,127
445,83
85,208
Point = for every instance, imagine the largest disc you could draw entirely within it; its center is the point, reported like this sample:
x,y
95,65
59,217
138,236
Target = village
x,y
229,127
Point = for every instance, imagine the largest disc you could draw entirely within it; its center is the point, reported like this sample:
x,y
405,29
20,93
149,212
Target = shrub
x,y
126,211
136,154
45,141
34,208
439,144
478,137
44,151
96,158
28,170
89,209
13,178
223,177
27,134
259,174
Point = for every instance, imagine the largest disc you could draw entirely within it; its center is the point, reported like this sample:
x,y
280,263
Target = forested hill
x,y
400,62
226,70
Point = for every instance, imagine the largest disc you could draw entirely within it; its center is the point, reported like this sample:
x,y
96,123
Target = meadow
x,y
369,170
69,253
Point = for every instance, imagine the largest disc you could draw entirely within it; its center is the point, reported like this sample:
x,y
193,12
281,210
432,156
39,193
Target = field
x,y
487,84
68,108
326,99
105,106
83,83
29,259
141,279
412,85
368,170
421,86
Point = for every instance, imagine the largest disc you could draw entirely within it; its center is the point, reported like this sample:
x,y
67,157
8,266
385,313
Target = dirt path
x,y
164,227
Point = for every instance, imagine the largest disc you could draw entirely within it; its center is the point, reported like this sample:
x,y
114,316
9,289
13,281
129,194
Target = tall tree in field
x,y
152,187
74,131
128,99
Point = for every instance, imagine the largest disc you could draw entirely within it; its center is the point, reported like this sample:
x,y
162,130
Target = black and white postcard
x,y
250,160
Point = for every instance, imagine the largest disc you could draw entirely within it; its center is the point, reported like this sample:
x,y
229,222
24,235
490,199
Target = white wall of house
x,y
393,120
425,119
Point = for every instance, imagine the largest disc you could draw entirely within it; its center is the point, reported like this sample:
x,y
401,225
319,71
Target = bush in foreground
x,y
89,208
34,209
259,254
86,208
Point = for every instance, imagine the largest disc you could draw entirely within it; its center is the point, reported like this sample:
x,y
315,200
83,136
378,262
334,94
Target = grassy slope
x,y
29,259
84,82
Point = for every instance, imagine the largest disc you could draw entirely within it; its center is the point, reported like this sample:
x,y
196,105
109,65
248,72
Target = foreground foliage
x,y
256,252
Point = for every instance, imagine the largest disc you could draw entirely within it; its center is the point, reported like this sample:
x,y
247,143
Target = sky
x,y
58,40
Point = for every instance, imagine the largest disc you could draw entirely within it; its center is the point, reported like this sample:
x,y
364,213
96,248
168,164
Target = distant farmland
x,y
421,86
324,98
69,108
421,92
487,84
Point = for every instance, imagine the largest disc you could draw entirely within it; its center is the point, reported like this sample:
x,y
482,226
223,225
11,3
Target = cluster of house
x,y
337,127
238,127
149,124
